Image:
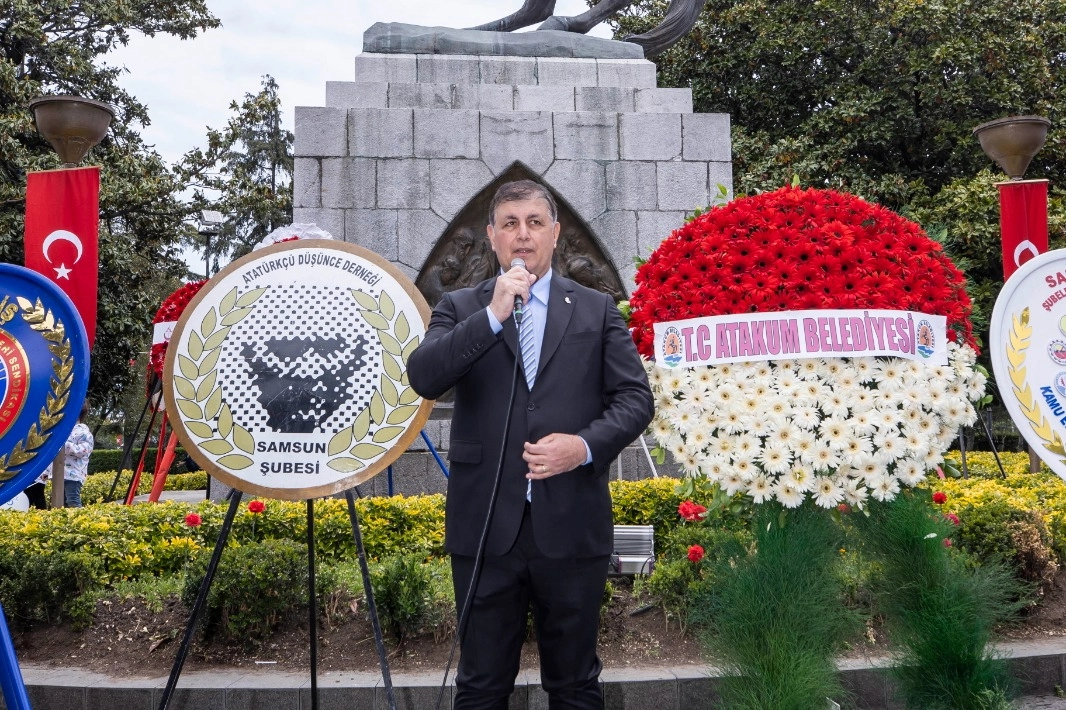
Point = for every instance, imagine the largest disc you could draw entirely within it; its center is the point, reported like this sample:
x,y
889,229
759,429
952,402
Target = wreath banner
x,y
44,374
759,337
1028,344
286,375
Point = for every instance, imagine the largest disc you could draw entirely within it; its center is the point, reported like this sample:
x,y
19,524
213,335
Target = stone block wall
x,y
394,155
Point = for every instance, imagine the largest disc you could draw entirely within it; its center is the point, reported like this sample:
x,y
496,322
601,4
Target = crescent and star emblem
x,y
62,235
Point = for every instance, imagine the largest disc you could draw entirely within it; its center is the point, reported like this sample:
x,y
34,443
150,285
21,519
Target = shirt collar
x,y
542,287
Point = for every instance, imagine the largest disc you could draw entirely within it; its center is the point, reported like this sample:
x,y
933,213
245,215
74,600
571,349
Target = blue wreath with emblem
x,y
44,374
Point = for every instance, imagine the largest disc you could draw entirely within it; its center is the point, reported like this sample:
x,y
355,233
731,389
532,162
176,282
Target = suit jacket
x,y
590,382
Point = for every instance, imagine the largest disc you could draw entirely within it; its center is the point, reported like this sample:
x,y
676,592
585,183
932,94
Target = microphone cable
x,y
480,555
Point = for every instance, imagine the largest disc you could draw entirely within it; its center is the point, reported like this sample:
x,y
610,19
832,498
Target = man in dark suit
x,y
582,396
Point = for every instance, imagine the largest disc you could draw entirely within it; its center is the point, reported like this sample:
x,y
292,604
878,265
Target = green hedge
x,y
104,460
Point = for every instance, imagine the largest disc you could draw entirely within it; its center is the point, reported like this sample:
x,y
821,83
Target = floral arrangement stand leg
x,y
774,618
939,608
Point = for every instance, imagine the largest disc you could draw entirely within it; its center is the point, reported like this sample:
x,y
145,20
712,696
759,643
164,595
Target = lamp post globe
x,y
72,124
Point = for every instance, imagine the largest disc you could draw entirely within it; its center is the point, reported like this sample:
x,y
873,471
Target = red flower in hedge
x,y
940,498
953,518
695,553
193,520
256,506
691,511
794,249
947,542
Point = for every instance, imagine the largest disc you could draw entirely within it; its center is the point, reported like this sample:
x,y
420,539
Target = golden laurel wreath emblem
x,y
1020,335
199,393
52,330
393,402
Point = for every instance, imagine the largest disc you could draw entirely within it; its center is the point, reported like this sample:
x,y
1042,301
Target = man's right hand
x,y
515,282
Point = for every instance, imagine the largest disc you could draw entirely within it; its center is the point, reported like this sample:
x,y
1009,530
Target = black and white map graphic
x,y
302,381
315,377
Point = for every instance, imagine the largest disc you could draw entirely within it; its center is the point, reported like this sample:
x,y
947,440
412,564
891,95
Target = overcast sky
x,y
188,85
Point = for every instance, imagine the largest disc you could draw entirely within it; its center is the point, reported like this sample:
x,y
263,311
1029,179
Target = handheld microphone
x,y
519,305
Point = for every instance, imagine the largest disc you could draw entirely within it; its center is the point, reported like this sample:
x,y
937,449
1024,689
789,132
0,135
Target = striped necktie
x,y
528,344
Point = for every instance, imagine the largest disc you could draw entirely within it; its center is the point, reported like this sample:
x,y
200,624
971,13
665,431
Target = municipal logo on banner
x,y
44,372
752,337
286,375
1028,348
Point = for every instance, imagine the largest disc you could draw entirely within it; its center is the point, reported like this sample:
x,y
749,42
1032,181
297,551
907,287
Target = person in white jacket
x,y
76,463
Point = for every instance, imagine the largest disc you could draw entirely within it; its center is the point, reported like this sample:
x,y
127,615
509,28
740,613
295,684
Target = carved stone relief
x,y
463,256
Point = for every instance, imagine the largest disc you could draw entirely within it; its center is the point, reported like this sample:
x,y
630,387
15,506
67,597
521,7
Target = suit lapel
x,y
560,309
510,331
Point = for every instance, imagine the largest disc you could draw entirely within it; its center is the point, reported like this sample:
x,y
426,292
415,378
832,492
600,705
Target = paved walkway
x,y
1031,702
193,497
1039,665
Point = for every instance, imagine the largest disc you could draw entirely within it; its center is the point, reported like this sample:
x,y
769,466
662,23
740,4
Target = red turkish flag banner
x,y
62,219
1022,221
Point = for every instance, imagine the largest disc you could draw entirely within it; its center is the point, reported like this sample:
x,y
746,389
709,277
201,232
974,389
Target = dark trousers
x,y
565,596
35,493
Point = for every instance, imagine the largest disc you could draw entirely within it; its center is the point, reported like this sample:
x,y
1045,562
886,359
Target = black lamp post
x,y
210,226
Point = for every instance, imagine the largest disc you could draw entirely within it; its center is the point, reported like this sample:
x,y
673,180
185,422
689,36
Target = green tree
x,y
245,173
880,99
57,47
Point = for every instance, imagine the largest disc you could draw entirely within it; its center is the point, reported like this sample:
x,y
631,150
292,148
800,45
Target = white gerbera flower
x,y
726,395
862,424
777,407
890,444
759,489
806,416
757,425
799,477
834,432
910,472
886,489
746,445
865,368
775,459
733,483
862,400
855,493
889,375
835,405
745,467
787,495
714,467
783,433
704,376
691,465
827,493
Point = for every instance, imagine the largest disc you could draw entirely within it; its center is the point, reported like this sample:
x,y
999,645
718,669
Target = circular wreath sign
x,y
832,429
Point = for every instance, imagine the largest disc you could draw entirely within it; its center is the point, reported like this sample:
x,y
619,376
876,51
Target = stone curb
x,y
1039,666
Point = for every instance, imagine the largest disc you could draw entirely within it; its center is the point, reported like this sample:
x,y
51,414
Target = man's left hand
x,y
554,454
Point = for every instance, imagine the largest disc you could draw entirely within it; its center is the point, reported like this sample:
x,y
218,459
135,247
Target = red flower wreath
x,y
797,249
170,312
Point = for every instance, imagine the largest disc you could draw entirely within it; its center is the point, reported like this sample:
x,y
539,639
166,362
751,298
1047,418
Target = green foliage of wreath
x,y
198,393
393,402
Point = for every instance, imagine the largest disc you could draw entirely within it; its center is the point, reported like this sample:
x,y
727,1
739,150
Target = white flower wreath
x,y
837,430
